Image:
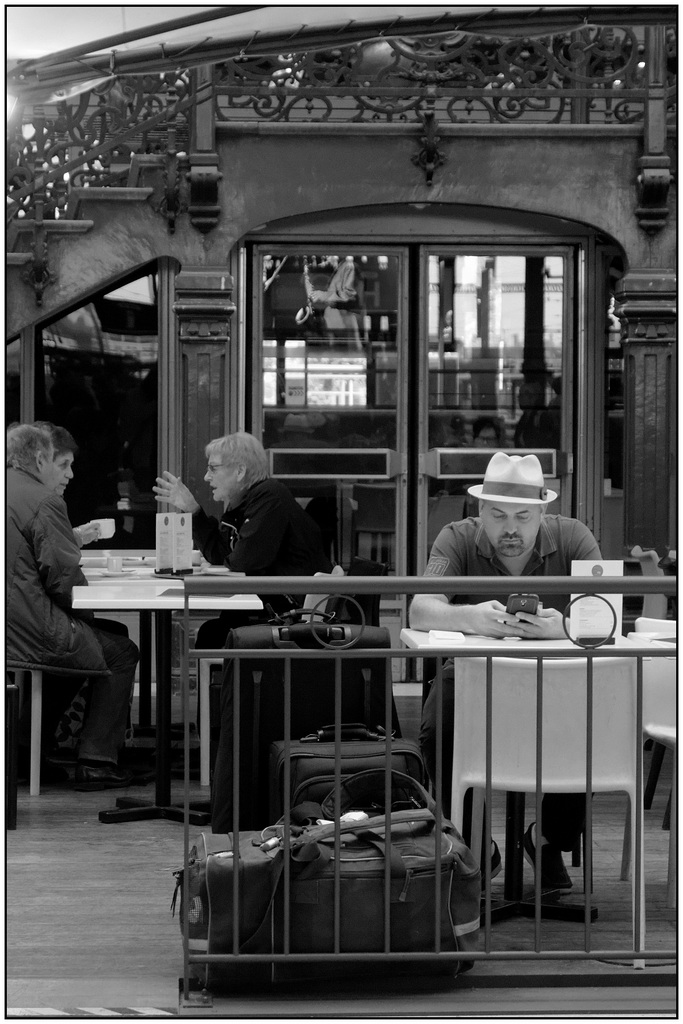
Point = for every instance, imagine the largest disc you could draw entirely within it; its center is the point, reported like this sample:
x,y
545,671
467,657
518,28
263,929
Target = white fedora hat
x,y
516,478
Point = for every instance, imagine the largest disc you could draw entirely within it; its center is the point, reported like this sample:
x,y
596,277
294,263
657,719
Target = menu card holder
x,y
591,619
174,544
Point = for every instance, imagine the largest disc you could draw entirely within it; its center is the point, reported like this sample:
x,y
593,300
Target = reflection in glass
x,y
329,356
99,380
495,326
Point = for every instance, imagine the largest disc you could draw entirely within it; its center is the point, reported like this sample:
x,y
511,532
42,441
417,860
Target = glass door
x,y
379,417
328,386
495,370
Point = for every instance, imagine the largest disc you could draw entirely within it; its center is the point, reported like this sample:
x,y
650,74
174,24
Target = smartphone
x,y
522,603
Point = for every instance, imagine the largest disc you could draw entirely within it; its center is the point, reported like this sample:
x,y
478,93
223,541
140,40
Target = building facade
x,y
382,248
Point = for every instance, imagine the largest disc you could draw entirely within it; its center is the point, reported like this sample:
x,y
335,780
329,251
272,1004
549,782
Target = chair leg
x,y
666,822
12,695
36,724
671,893
658,751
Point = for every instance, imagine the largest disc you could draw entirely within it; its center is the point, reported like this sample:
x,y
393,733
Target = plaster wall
x,y
588,177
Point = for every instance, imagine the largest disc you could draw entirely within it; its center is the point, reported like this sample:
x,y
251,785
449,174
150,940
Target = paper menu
x,y
173,542
591,616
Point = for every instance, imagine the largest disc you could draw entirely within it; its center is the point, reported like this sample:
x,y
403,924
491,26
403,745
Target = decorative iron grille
x,y
595,75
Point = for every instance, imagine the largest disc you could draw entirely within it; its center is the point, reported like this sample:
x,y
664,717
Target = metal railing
x,y
280,953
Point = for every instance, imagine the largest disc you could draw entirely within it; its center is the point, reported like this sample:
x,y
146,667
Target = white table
x,y
140,590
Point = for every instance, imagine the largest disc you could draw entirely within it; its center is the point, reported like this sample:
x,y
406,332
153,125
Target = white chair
x,y
659,724
656,627
666,735
654,605
36,677
513,755
205,666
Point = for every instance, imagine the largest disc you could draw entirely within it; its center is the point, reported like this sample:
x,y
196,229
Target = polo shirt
x,y
463,549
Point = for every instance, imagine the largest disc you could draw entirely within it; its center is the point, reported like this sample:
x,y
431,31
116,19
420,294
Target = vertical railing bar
x,y
286,874
236,804
486,841
588,845
185,676
438,783
538,872
388,708
637,812
337,800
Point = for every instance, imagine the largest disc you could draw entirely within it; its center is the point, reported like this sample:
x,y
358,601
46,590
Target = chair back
x,y
659,685
663,627
320,600
654,605
564,720
348,613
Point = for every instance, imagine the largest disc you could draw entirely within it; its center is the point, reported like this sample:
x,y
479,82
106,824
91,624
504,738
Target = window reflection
x,y
329,358
97,377
495,326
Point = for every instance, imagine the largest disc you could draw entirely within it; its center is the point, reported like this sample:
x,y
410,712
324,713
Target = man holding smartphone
x,y
512,536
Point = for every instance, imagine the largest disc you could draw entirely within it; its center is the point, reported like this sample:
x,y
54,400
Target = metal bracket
x,y
38,273
429,157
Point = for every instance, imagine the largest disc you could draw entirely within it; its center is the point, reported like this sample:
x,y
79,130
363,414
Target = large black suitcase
x,y
261,716
312,763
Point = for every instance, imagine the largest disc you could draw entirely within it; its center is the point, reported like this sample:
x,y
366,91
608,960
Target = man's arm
x,y
56,552
433,611
261,534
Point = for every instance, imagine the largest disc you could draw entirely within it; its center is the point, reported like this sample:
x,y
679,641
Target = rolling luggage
x,y
312,773
268,910
260,697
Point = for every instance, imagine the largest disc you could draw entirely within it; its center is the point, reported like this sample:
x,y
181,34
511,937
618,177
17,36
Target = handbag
x,y
400,855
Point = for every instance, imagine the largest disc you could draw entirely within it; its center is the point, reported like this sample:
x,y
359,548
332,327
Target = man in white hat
x,y
512,536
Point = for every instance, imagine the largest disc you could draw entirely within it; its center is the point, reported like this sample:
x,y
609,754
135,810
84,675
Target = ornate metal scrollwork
x,y
429,157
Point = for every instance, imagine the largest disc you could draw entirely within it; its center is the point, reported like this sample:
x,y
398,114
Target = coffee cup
x,y
114,564
107,527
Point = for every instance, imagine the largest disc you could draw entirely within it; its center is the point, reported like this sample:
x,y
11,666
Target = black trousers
x,y
564,814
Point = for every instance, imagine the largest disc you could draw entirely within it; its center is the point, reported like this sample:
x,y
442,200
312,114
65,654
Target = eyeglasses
x,y
214,467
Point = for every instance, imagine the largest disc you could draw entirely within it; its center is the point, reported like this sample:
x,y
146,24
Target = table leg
x,y
513,902
145,702
128,808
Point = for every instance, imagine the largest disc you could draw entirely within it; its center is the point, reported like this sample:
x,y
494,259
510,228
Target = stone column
x,y
646,304
203,308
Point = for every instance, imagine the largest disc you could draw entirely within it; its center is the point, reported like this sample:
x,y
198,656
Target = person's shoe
x,y
109,776
496,863
553,872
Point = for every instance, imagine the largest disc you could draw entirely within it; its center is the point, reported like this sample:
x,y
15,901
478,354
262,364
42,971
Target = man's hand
x,y
490,619
88,533
545,625
171,489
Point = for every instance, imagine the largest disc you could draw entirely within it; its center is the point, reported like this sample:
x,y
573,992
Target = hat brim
x,y
476,490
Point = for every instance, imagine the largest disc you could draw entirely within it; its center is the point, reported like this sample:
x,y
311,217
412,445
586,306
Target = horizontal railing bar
x,y
551,954
205,585
466,651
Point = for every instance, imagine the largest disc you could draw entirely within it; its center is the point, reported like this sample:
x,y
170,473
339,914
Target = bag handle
x,y
349,731
421,815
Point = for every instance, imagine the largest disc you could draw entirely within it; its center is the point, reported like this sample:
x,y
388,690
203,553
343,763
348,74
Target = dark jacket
x,y
42,568
268,534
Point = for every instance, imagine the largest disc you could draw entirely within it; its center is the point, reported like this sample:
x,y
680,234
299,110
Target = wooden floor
x,y
90,932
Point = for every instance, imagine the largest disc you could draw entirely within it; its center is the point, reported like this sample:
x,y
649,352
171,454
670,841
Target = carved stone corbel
x,y
653,184
204,176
